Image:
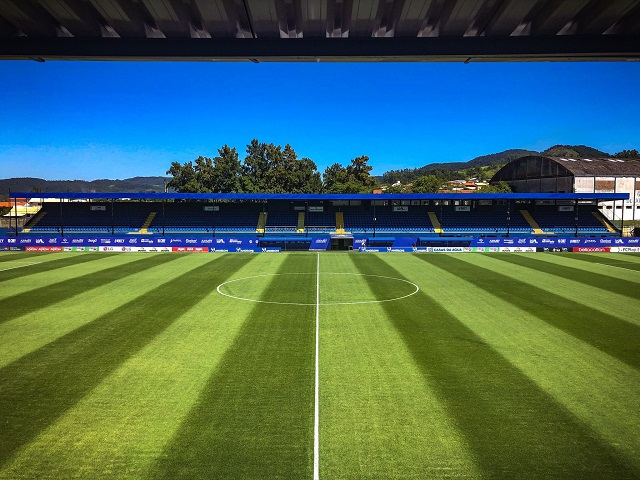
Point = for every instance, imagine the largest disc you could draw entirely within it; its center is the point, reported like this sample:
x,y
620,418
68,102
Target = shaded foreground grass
x,y
254,418
613,336
39,387
514,429
20,304
52,264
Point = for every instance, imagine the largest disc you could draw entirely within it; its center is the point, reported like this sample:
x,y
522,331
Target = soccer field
x,y
189,366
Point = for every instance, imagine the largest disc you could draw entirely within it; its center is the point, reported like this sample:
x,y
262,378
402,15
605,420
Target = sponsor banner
x,y
372,249
591,249
565,208
270,249
447,249
98,208
189,249
518,249
625,249
320,244
315,208
551,242
78,249
405,242
43,249
463,208
400,209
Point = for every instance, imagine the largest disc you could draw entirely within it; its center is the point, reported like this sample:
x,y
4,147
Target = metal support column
x,y
576,216
61,220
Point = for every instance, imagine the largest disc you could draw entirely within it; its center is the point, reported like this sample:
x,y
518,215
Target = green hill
x,y
41,186
485,166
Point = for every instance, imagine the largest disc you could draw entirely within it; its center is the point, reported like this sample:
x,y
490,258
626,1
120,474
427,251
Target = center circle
x,y
399,288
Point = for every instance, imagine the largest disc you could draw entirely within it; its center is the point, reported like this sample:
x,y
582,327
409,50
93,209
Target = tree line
x,y
268,168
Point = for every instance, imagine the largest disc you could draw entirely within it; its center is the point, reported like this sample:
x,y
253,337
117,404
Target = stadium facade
x,y
273,222
541,174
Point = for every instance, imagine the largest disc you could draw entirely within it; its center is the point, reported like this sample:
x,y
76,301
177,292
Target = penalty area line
x,y
316,402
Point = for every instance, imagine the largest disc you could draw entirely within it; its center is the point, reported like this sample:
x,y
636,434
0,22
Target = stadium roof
x,y
601,166
314,30
303,197
579,166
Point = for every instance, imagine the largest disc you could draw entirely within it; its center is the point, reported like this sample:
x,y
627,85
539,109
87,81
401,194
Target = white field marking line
x,y
19,266
417,289
316,406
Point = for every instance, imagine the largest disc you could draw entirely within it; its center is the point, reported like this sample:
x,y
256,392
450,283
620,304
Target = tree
x,y
359,173
227,171
628,154
500,187
184,177
334,177
426,184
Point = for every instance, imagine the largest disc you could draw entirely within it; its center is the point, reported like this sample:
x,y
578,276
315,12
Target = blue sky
x,y
88,120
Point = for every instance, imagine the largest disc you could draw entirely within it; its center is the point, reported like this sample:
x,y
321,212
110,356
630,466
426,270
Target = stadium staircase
x,y
34,221
262,222
300,228
531,221
339,222
437,228
147,223
602,219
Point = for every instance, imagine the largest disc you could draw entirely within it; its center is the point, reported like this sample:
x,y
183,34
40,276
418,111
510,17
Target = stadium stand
x,y
273,217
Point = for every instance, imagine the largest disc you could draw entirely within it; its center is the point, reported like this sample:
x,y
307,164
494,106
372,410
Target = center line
x,y
316,409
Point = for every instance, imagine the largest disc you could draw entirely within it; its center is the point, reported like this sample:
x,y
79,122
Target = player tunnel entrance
x,y
341,243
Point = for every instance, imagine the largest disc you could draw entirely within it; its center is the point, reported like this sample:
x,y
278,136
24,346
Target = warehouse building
x,y
540,174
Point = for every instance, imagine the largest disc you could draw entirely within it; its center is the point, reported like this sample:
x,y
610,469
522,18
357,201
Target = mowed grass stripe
x,y
586,267
254,418
43,297
513,427
44,279
27,257
23,335
609,303
610,334
60,260
601,391
378,417
121,427
618,260
37,388
604,282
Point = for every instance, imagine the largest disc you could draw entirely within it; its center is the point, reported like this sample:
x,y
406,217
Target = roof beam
x,y
562,48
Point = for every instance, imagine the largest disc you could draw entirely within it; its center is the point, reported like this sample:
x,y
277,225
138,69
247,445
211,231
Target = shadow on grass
x,y
513,428
607,333
254,417
73,259
38,388
604,282
28,302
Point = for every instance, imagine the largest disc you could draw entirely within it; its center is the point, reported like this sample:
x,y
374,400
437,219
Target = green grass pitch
x,y
202,366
